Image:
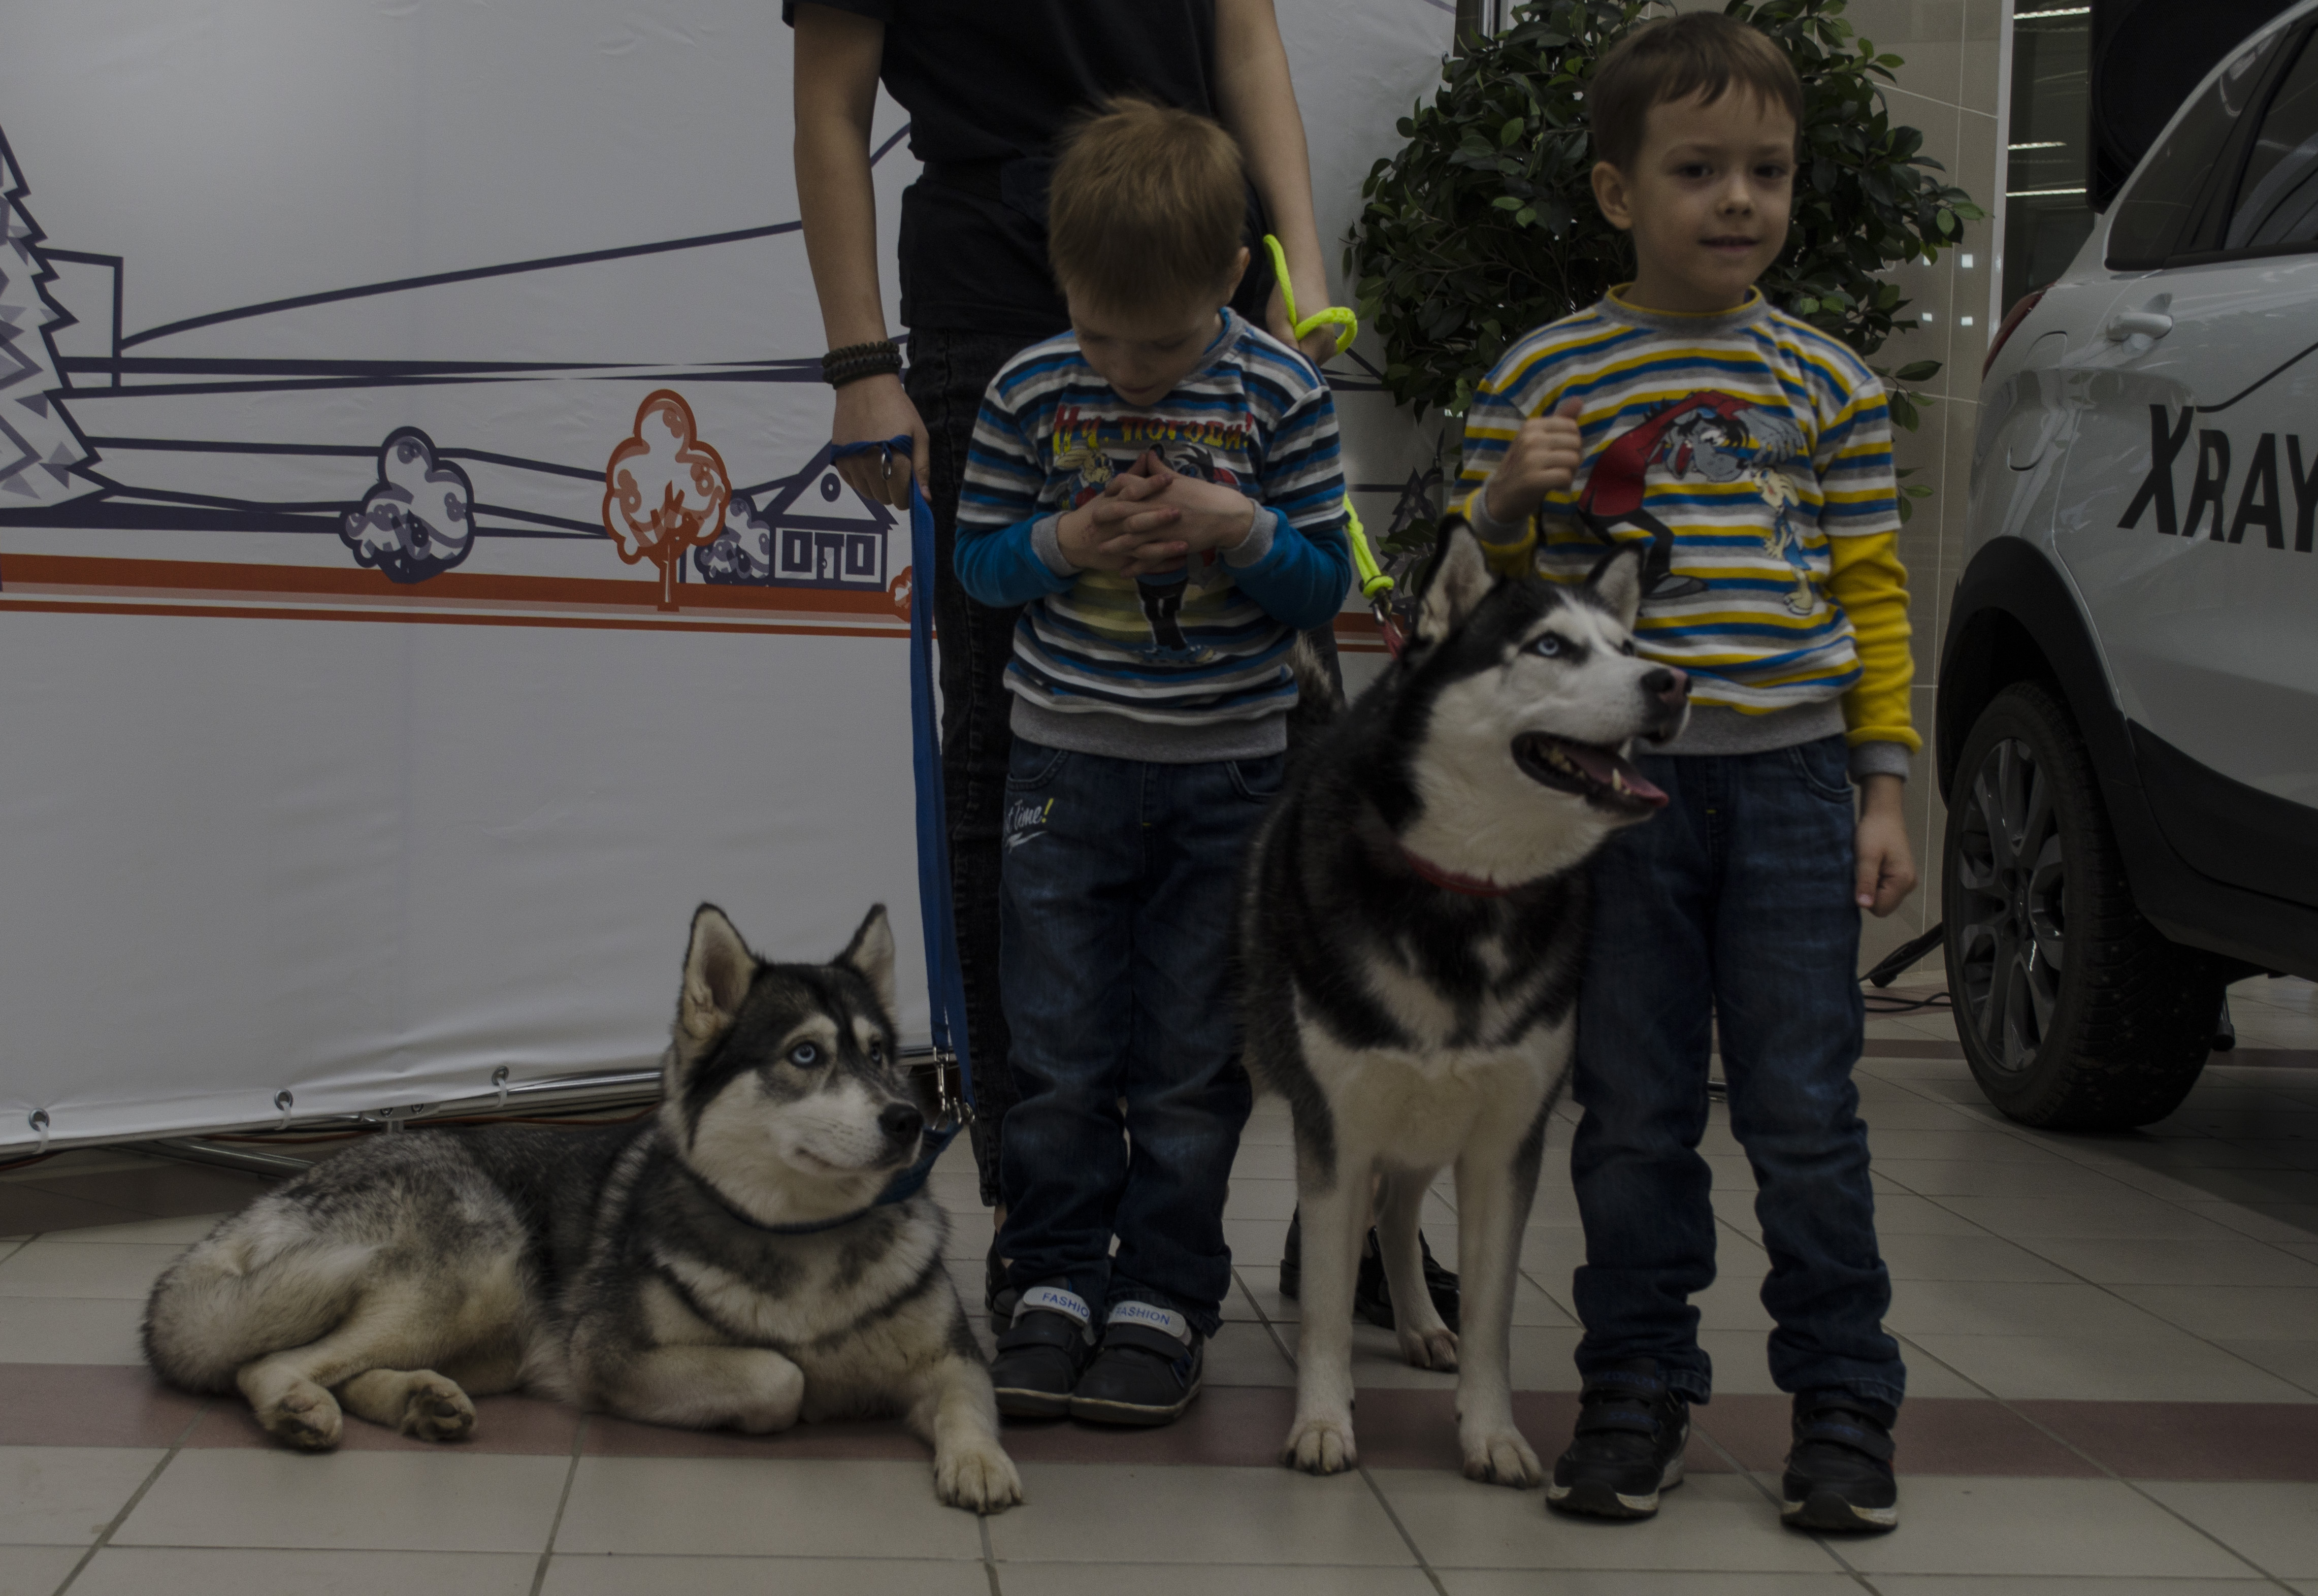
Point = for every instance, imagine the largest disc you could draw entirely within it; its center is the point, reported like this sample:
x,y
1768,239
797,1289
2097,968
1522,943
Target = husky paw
x,y
306,1417
1430,1348
1502,1458
1320,1446
980,1479
435,1408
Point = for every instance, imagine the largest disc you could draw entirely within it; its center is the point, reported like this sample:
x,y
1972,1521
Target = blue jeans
x,y
1731,907
1115,926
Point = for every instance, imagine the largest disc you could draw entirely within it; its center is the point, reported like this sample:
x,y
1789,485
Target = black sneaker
x,y
1147,1372
1372,1297
1838,1474
1632,1431
1042,1354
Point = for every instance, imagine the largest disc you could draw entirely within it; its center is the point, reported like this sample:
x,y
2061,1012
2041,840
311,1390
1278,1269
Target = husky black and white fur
x,y
634,1270
1413,930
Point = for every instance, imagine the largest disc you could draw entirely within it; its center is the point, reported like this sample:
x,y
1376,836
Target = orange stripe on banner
x,y
74,570
240,612
1357,633
94,585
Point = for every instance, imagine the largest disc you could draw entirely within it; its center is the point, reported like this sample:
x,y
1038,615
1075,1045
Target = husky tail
x,y
262,1281
1319,691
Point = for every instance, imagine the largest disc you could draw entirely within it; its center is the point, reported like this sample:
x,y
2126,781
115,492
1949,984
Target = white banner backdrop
x,y
342,751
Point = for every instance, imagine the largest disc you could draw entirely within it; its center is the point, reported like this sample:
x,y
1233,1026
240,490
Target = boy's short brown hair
x,y
1147,206
1701,52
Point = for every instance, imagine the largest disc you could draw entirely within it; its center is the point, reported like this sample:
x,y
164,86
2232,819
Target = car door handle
x,y
2144,324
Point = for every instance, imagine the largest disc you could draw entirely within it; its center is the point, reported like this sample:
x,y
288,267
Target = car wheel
x,y
2075,1012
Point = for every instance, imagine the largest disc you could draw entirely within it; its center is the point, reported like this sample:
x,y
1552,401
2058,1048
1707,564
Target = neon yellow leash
x,y
1340,316
1375,586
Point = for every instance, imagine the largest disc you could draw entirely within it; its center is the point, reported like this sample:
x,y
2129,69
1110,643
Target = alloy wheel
x,y
2015,921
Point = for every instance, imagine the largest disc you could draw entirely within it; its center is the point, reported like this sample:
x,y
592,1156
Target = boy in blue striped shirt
x,y
1159,489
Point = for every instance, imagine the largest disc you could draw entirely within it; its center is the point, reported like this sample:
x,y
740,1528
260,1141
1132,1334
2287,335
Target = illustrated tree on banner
x,y
39,447
664,491
418,518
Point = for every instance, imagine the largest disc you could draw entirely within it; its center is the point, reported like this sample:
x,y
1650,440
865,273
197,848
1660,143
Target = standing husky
x,y
1412,934
760,1251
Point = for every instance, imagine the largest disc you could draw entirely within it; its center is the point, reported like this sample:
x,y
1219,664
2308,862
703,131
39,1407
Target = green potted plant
x,y
1484,226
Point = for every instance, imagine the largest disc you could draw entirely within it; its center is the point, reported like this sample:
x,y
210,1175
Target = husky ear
x,y
871,955
1457,580
717,969
1617,582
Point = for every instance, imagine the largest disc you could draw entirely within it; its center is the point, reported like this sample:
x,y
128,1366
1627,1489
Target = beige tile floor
x,y
2178,1265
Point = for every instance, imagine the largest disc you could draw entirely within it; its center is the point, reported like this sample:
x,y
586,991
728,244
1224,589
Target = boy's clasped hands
x,y
1150,518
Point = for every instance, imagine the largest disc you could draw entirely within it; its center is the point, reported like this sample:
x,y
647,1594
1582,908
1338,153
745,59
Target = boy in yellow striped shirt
x,y
1752,453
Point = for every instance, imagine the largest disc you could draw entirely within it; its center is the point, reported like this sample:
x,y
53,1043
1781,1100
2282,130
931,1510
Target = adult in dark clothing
x,y
988,87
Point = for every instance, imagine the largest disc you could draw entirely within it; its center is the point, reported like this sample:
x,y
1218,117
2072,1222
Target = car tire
x,y
2075,1013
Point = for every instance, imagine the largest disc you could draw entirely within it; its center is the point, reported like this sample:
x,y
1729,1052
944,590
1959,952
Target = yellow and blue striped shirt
x,y
1761,447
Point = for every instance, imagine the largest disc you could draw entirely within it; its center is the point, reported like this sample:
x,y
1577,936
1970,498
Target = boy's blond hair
x,y
1701,52
1147,206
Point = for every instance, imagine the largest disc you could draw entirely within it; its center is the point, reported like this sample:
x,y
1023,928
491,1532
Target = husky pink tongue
x,y
1608,770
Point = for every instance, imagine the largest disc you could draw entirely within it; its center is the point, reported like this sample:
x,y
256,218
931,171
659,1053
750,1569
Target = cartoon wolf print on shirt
x,y
1711,438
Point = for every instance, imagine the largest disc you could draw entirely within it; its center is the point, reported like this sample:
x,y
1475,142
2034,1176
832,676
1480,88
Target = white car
x,y
2128,700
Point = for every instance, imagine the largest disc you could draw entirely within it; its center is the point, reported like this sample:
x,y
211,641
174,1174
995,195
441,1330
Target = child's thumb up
x,y
1569,409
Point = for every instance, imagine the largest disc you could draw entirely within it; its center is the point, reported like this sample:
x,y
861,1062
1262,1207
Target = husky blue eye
x,y
1549,645
876,1052
804,1055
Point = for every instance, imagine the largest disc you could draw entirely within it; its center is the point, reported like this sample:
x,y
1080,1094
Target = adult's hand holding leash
x,y
1327,332
1317,345
874,410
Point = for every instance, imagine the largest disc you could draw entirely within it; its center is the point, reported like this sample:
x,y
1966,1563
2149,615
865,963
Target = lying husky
x,y
1412,934
760,1251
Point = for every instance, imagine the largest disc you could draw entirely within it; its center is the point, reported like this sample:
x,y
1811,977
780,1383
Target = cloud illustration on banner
x,y
743,552
664,490
418,519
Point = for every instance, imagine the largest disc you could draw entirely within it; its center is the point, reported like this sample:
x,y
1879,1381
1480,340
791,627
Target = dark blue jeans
x,y
1115,926
1732,908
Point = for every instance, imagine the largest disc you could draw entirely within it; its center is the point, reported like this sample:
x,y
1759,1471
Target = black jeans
x,y
948,372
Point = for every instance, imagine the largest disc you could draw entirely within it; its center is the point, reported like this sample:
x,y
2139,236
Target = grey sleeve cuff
x,y
1047,538
1487,527
1881,759
1257,543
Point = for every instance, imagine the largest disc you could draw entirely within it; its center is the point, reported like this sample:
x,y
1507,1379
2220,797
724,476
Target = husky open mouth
x,y
1594,774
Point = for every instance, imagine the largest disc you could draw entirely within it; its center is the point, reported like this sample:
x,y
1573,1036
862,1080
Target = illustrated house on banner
x,y
812,531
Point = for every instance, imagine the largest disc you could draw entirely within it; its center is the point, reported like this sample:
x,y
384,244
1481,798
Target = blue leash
x,y
944,983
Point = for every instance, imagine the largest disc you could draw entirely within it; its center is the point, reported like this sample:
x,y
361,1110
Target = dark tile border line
x,y
122,1406
2242,1058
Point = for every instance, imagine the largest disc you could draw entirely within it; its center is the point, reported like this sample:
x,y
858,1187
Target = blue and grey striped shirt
x,y
1192,666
